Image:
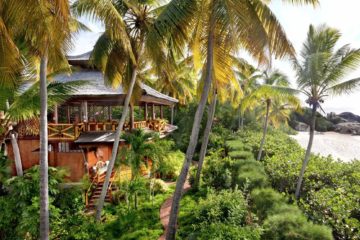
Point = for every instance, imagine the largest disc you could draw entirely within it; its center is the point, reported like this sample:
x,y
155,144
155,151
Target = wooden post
x,y
110,113
56,115
145,112
153,112
172,115
131,116
161,112
85,111
68,113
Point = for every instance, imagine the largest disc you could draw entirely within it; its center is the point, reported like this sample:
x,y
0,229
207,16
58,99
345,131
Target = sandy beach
x,y
345,147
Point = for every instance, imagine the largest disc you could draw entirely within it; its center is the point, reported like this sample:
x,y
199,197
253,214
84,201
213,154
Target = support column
x,y
172,115
131,116
68,113
85,116
145,112
161,112
153,112
110,113
56,114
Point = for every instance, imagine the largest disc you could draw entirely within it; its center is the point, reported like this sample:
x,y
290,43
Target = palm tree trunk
x,y
268,103
17,157
205,142
171,232
44,178
116,145
308,151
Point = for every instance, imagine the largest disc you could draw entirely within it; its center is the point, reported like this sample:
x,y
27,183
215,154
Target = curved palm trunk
x,y
17,157
205,142
268,103
171,232
116,145
308,151
44,177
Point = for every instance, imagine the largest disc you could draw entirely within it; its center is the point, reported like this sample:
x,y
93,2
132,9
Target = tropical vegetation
x,y
232,144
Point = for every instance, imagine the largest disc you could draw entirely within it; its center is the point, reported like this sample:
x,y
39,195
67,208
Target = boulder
x,y
348,128
349,117
301,127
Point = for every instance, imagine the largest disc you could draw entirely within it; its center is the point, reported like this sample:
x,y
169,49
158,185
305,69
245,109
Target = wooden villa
x,y
81,130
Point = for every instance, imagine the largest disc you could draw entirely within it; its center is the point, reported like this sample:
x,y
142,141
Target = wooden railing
x,y
140,124
63,131
70,132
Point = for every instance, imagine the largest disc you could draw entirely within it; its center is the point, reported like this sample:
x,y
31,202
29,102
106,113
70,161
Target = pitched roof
x,y
97,87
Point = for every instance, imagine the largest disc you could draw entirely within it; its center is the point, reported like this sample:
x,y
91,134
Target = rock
x,y
301,127
350,117
348,128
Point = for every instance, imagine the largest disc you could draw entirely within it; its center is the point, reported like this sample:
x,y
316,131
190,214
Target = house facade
x,y
81,130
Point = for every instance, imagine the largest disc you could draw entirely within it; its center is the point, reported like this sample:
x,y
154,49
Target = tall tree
x,y
273,87
320,70
217,27
120,53
45,28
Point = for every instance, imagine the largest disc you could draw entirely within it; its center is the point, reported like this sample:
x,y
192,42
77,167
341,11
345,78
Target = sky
x,y
343,15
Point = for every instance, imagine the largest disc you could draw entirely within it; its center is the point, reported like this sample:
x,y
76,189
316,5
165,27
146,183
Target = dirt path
x,y
166,208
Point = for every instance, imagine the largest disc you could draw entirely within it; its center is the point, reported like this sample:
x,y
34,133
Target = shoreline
x,y
343,147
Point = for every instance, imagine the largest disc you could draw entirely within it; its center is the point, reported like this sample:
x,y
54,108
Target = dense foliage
x,y
331,189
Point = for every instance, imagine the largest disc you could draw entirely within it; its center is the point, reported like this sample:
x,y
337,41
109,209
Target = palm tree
x,y
320,71
178,83
141,149
217,27
120,53
273,87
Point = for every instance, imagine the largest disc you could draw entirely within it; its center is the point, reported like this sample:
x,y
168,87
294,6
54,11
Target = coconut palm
x,y
248,77
320,70
45,27
219,28
178,83
275,85
120,53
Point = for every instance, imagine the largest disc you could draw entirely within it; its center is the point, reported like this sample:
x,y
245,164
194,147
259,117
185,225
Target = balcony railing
x,y
70,132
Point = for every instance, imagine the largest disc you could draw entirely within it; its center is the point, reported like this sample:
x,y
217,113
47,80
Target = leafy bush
x,y
158,186
217,171
249,174
170,165
225,206
293,226
265,201
221,231
19,206
330,188
241,155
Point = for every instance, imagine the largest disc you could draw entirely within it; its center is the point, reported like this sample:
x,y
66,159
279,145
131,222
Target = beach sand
x,y
342,146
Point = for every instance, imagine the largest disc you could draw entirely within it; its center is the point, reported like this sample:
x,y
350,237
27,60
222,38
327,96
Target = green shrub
x,y
169,167
221,231
226,206
245,155
265,201
249,174
158,186
235,145
217,171
293,226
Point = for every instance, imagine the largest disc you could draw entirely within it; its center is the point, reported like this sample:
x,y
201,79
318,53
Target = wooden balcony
x,y
70,132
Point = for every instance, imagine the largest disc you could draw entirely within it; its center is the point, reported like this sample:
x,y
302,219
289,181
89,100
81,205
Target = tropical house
x,y
81,130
